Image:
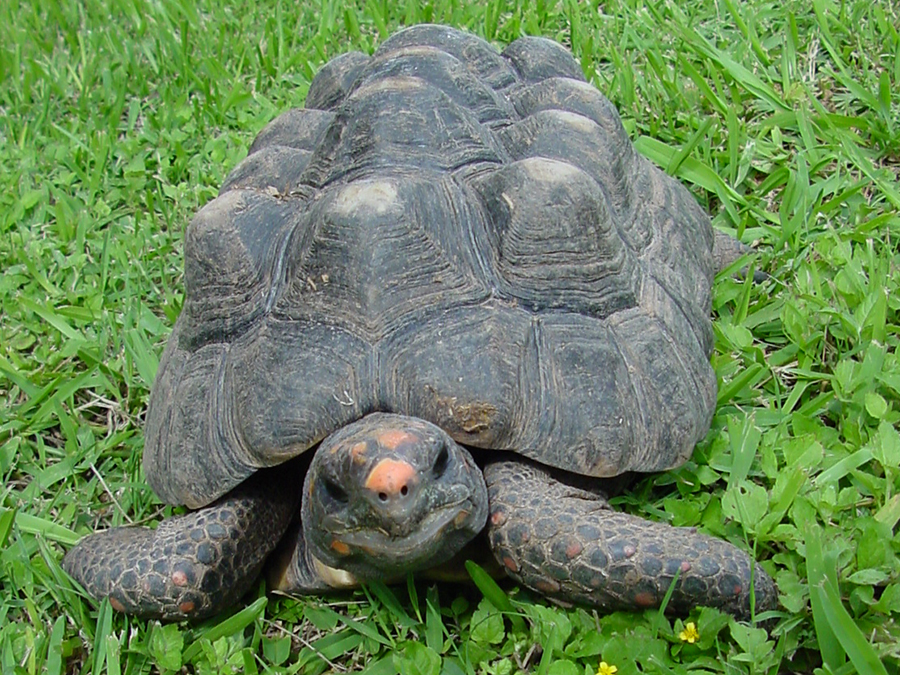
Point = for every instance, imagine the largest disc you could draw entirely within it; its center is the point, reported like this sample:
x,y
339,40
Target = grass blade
x,y
434,625
832,652
230,626
860,652
54,647
44,528
495,595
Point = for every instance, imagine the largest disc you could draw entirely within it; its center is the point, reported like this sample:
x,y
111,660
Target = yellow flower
x,y
606,669
690,633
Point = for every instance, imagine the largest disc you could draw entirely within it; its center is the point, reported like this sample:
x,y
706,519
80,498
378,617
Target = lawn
x,y
121,118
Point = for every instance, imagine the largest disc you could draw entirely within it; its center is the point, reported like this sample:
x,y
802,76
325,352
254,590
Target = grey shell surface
x,y
448,232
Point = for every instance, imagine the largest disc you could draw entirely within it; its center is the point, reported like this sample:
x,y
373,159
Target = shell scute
x,y
461,369
443,71
397,123
334,81
612,163
381,251
232,251
291,383
554,240
537,58
479,57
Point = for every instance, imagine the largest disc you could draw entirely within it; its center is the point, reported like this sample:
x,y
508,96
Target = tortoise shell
x,y
447,232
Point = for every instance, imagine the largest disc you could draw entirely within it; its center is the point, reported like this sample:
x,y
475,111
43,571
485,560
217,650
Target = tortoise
x,y
434,309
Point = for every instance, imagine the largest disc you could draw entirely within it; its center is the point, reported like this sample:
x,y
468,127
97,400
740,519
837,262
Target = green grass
x,y
118,120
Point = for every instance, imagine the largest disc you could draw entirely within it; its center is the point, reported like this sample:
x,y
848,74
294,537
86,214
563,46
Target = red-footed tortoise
x,y
451,277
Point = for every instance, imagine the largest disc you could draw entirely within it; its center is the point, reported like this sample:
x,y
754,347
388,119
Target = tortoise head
x,y
389,495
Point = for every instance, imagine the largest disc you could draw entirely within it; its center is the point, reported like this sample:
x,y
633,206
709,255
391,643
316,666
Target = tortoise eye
x,y
441,463
335,491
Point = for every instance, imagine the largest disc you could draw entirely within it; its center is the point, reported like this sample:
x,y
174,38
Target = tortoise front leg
x,y
565,542
195,565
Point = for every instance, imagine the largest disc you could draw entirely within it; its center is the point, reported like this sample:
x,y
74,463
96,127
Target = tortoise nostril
x,y
383,496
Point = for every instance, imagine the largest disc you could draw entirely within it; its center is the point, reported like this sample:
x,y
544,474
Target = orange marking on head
x,y
510,564
116,605
186,607
179,578
358,452
340,547
392,438
645,599
390,476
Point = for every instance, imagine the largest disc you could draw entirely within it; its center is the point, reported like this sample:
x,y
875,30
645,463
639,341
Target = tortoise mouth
x,y
418,544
